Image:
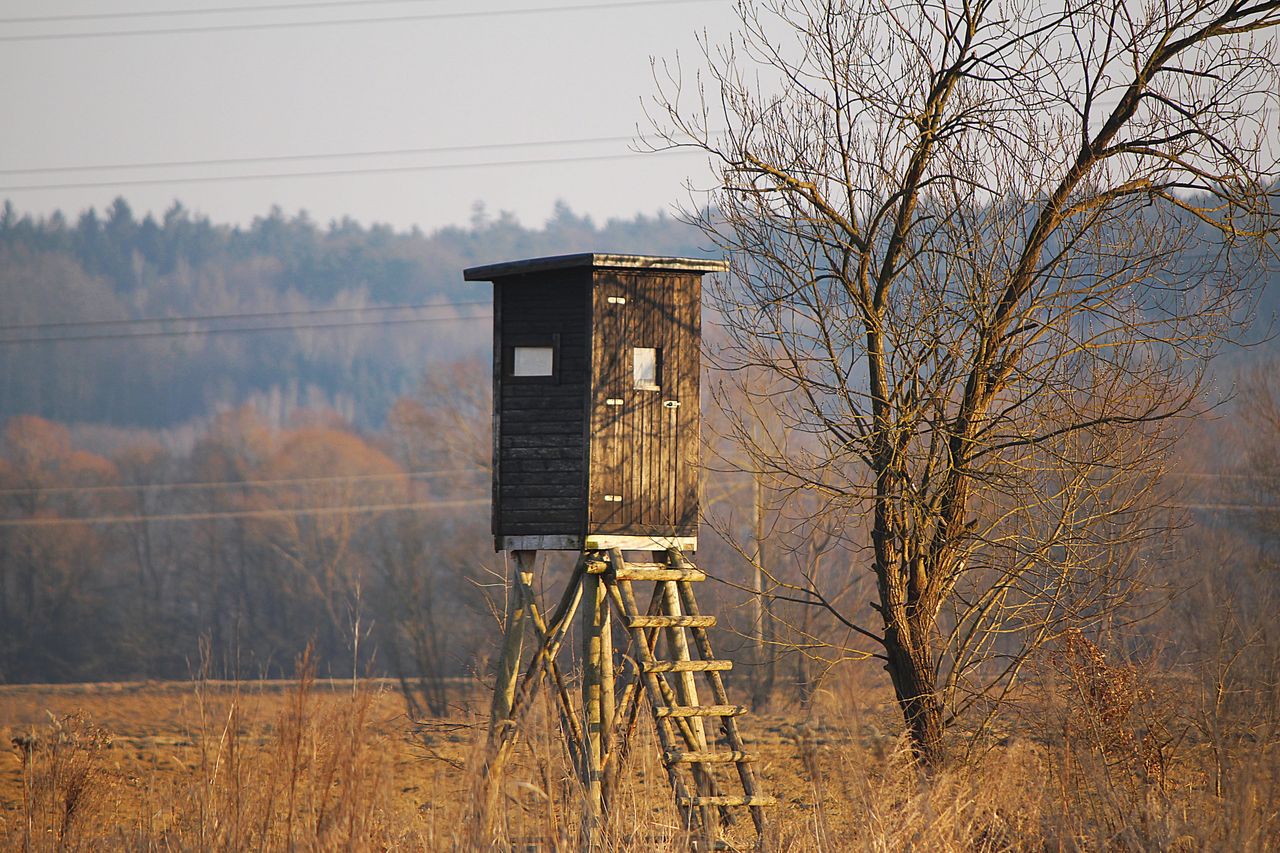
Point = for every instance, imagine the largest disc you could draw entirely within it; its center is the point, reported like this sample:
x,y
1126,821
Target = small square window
x,y
645,368
533,361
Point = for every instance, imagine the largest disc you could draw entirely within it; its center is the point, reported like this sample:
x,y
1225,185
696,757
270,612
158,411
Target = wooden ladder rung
x,y
671,621
709,757
689,666
727,801
700,711
634,572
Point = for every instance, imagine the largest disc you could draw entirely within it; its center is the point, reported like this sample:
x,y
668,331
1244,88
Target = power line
x,y
215,485
327,173
248,513
245,316
389,19
179,333
1209,475
168,13
285,158
357,509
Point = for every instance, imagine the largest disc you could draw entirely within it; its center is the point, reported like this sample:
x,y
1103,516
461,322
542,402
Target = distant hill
x,y
71,284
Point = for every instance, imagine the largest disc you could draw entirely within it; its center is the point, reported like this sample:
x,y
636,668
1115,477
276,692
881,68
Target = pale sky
x,y
415,82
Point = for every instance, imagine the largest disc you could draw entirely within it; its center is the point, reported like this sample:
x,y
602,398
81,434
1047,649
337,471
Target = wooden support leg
x,y
513,642
503,735
545,657
608,699
594,618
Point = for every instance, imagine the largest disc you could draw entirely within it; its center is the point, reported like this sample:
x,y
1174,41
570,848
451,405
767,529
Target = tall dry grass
x,y
1101,755
317,778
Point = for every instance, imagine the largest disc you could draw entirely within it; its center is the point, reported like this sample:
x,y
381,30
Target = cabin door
x,y
645,418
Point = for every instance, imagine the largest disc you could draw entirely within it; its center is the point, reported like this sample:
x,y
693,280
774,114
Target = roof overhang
x,y
593,260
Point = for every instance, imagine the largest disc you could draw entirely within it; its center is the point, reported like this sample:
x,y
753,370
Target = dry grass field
x,y
320,765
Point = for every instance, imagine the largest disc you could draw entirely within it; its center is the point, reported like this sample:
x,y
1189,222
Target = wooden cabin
x,y
595,401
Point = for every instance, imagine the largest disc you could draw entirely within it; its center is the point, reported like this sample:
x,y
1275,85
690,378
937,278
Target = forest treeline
x,y
65,284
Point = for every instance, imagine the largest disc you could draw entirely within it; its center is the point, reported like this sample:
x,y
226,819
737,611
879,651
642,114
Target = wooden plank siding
x,y
539,460
645,451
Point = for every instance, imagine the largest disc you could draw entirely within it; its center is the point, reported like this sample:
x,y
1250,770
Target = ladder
x,y
703,795
659,666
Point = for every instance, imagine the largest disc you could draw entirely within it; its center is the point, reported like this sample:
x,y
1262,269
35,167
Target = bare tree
x,y
984,250
316,529
428,564
1258,486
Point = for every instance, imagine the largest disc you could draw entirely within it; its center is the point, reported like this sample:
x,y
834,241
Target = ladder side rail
x,y
686,689
666,732
685,693
728,724
667,693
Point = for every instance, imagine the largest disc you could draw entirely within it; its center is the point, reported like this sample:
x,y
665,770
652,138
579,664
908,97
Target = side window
x,y
646,368
533,361
532,358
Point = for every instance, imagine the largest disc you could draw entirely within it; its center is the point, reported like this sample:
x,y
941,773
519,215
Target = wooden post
x,y
608,699
513,642
766,656
593,706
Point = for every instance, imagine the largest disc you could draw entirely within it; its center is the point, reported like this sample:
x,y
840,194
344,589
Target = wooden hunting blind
x,y
595,424
595,449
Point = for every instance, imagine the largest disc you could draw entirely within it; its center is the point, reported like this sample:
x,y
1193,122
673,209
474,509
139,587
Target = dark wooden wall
x,y
540,429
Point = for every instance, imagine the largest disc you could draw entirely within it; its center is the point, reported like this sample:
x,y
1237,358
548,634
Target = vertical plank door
x,y
644,438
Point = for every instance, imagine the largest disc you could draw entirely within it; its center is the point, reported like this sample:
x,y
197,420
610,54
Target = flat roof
x,y
593,260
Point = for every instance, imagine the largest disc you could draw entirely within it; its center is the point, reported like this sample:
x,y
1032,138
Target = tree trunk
x,y
911,668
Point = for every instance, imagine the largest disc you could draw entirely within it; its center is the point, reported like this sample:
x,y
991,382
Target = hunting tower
x,y
595,450
595,401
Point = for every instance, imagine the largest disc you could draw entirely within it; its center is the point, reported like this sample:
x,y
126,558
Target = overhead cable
x,y
182,333
360,509
287,158
328,173
389,19
207,10
215,485
251,315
